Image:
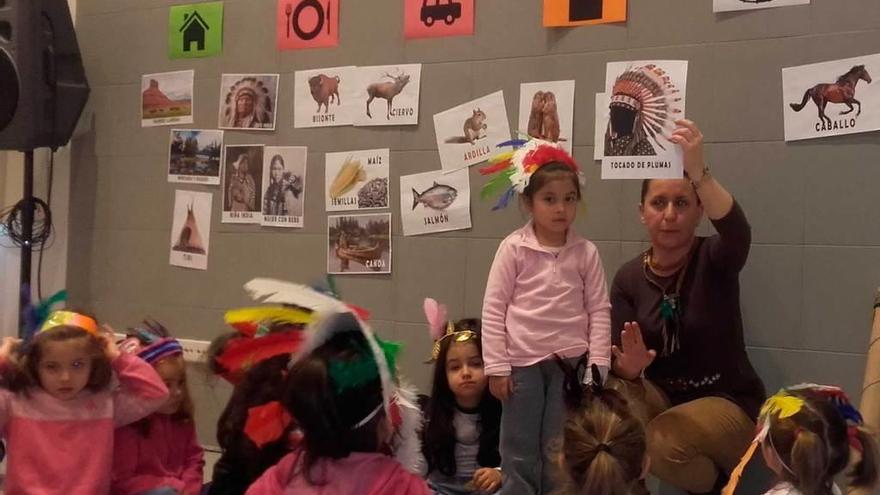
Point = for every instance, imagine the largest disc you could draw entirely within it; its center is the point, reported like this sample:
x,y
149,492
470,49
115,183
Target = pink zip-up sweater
x,y
168,456
66,447
360,473
538,303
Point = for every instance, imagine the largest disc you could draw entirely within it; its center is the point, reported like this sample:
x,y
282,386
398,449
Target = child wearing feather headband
x,y
462,419
63,404
357,422
160,454
546,295
808,434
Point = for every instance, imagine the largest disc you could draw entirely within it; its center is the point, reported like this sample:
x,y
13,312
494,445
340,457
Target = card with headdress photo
x,y
646,98
248,101
242,184
546,111
733,5
284,180
325,97
191,229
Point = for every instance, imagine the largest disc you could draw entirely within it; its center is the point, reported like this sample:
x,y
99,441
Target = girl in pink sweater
x,y
63,403
159,454
546,296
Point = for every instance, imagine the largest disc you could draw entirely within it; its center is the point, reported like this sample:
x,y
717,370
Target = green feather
x,y
356,372
497,185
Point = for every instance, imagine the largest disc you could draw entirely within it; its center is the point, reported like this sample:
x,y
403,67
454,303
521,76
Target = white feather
x,y
269,290
408,443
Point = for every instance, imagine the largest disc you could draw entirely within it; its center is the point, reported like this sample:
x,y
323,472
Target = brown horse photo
x,y
843,91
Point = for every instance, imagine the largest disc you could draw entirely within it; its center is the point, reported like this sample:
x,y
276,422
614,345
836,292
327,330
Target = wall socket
x,y
194,351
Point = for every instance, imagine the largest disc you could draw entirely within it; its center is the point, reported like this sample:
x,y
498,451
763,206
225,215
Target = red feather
x,y
548,154
266,423
242,353
495,167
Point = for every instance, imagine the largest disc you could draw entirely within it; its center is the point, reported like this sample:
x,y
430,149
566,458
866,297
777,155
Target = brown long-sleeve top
x,y
711,358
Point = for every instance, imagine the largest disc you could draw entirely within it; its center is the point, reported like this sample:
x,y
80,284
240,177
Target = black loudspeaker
x,y
43,86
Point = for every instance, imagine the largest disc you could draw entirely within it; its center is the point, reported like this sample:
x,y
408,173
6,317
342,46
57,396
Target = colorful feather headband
x,y
151,342
376,359
515,168
33,316
438,321
70,319
787,403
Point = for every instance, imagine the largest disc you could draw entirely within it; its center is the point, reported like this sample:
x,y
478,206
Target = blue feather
x,y
504,199
516,143
850,413
28,313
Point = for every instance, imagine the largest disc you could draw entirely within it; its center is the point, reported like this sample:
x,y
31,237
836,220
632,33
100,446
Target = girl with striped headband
x,y
159,454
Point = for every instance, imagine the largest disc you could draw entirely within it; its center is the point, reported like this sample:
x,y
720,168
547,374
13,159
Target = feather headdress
x,y
650,93
441,328
515,168
787,403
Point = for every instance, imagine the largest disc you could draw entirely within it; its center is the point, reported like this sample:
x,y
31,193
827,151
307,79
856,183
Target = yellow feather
x,y
782,405
268,313
501,157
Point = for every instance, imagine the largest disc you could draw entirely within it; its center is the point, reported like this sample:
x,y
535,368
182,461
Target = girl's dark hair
x,y
25,375
438,434
242,461
603,444
549,172
814,446
327,415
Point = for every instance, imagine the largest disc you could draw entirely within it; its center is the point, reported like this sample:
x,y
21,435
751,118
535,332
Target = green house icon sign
x,y
194,30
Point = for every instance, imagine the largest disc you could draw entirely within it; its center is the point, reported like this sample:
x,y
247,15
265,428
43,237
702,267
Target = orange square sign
x,y
307,24
437,18
559,13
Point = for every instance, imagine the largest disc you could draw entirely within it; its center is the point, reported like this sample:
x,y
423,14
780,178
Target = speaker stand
x,y
27,232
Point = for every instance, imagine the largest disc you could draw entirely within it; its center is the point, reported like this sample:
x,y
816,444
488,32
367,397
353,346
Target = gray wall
x,y
814,264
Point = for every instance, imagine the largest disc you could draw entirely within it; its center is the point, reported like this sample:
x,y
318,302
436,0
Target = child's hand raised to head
x,y
7,348
487,480
108,335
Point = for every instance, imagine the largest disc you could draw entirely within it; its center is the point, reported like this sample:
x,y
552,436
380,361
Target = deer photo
x,y
387,90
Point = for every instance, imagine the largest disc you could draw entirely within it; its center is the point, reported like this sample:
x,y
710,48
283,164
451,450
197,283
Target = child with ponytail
x,y
807,436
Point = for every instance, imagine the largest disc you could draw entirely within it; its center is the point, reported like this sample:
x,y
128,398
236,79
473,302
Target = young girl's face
x,y
172,370
65,367
464,373
554,207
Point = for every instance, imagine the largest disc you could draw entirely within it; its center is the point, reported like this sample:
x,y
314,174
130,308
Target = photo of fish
x,y
437,197
441,201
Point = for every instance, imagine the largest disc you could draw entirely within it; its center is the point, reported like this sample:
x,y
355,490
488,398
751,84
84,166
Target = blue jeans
x,y
531,421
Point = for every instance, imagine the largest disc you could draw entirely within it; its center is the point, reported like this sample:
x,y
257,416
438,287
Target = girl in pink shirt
x,y
63,403
159,454
546,296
